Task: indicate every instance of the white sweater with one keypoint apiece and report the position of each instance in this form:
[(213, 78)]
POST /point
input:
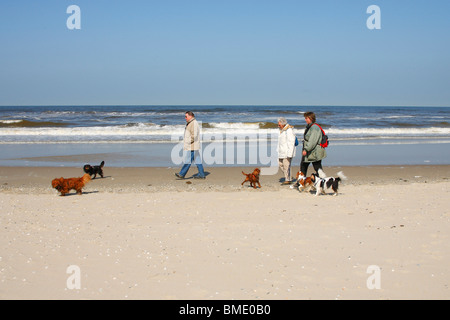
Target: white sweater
[(286, 143)]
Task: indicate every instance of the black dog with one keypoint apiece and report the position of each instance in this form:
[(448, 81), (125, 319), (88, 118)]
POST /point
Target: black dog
[(94, 170)]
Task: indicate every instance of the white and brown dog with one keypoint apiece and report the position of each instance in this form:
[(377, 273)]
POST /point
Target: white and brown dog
[(323, 184), (303, 183)]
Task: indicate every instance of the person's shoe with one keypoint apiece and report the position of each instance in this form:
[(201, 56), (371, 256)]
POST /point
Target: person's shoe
[(286, 183), (199, 177), (179, 176)]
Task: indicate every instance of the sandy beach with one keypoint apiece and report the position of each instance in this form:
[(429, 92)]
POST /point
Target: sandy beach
[(139, 233)]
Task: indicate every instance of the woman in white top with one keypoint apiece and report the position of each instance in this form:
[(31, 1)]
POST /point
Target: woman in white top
[(286, 148)]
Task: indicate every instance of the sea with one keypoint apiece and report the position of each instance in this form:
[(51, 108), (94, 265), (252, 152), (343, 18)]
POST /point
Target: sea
[(150, 136)]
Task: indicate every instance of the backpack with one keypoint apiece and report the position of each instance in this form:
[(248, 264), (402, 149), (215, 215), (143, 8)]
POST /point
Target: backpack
[(324, 142)]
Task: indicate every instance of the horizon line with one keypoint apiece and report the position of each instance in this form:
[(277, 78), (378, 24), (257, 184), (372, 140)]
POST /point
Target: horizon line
[(220, 105)]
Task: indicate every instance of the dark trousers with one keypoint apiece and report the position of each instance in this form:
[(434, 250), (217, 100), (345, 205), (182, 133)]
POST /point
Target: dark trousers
[(304, 166)]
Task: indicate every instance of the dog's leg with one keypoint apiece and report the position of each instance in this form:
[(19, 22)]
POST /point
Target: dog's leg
[(335, 186), (301, 188), (335, 192)]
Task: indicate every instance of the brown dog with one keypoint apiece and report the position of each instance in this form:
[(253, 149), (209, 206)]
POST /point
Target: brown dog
[(304, 182), (65, 185), (252, 177)]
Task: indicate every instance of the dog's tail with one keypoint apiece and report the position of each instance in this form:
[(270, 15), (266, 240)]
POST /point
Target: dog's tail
[(86, 178), (102, 164), (244, 173), (341, 175)]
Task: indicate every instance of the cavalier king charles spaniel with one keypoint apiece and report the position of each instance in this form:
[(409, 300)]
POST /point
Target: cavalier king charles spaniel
[(303, 183)]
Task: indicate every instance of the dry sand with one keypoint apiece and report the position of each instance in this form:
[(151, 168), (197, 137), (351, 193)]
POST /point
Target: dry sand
[(139, 233)]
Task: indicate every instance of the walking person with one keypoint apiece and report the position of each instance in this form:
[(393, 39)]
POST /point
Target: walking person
[(286, 148), (191, 147), (312, 151)]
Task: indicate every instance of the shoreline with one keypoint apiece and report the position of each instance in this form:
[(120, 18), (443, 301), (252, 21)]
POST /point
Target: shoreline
[(427, 152), (228, 179)]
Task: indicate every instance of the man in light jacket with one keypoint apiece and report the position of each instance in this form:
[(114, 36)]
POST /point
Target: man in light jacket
[(191, 147), (286, 148)]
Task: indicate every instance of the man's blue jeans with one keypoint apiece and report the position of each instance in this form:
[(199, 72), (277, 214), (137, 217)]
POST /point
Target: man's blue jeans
[(189, 157)]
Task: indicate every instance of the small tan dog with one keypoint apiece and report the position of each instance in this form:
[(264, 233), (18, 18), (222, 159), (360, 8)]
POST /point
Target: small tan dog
[(252, 177), (65, 185)]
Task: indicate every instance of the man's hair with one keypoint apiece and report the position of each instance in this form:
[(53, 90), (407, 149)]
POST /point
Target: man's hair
[(310, 115), (190, 113)]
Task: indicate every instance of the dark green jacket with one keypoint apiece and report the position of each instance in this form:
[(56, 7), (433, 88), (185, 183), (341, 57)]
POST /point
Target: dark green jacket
[(311, 143)]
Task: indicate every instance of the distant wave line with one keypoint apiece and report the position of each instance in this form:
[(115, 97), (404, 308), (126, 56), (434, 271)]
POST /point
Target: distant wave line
[(215, 128), (337, 142)]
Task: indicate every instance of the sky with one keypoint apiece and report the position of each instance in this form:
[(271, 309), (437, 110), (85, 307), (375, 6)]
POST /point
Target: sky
[(225, 52)]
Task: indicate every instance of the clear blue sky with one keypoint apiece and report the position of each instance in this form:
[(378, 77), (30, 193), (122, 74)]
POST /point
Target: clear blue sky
[(284, 52)]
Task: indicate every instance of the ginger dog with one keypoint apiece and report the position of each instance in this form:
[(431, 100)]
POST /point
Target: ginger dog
[(252, 177), (65, 185)]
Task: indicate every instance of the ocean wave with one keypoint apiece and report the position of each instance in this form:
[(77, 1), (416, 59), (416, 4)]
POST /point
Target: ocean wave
[(409, 131), (239, 125), (10, 132), (19, 123), (442, 124)]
